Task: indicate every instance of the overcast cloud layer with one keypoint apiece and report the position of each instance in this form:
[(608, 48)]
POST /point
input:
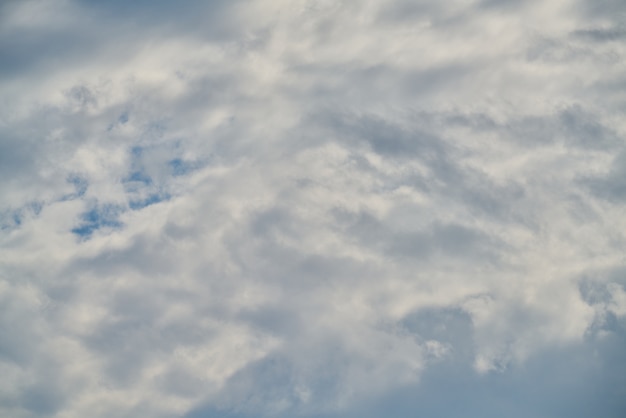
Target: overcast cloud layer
[(283, 208)]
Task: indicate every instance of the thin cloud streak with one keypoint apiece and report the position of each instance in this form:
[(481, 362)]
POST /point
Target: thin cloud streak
[(312, 208)]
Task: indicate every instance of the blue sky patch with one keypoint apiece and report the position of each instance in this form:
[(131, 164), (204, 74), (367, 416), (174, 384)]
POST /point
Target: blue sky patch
[(80, 187), (139, 176), (152, 199), (181, 167), (101, 216)]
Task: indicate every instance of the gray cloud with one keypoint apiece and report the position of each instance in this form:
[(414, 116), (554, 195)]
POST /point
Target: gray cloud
[(311, 208)]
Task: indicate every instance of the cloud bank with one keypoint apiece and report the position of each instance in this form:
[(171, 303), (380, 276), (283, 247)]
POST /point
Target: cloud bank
[(321, 208)]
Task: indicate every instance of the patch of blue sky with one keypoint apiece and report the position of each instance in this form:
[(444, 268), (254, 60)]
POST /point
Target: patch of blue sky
[(80, 187), (138, 176), (141, 190), (13, 218), (100, 216), (136, 152), (137, 204), (123, 118), (137, 172), (180, 167), (10, 219), (140, 187), (145, 190), (16, 218), (35, 207)]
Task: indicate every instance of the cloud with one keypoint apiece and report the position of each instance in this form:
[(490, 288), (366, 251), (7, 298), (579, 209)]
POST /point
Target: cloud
[(311, 208)]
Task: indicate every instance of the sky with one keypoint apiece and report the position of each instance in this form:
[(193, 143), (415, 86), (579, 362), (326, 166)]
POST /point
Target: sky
[(312, 208)]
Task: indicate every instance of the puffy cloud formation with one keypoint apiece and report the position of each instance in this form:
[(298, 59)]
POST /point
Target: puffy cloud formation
[(283, 208)]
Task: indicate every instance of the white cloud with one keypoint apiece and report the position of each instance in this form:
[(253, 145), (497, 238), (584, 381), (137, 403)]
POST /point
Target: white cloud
[(298, 207)]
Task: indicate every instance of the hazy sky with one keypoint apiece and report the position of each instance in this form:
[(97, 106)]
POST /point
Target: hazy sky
[(313, 208)]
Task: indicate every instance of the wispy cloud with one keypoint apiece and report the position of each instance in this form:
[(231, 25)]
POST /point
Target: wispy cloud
[(312, 208)]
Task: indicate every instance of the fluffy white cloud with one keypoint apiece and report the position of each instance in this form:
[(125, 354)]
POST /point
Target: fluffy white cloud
[(283, 208)]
